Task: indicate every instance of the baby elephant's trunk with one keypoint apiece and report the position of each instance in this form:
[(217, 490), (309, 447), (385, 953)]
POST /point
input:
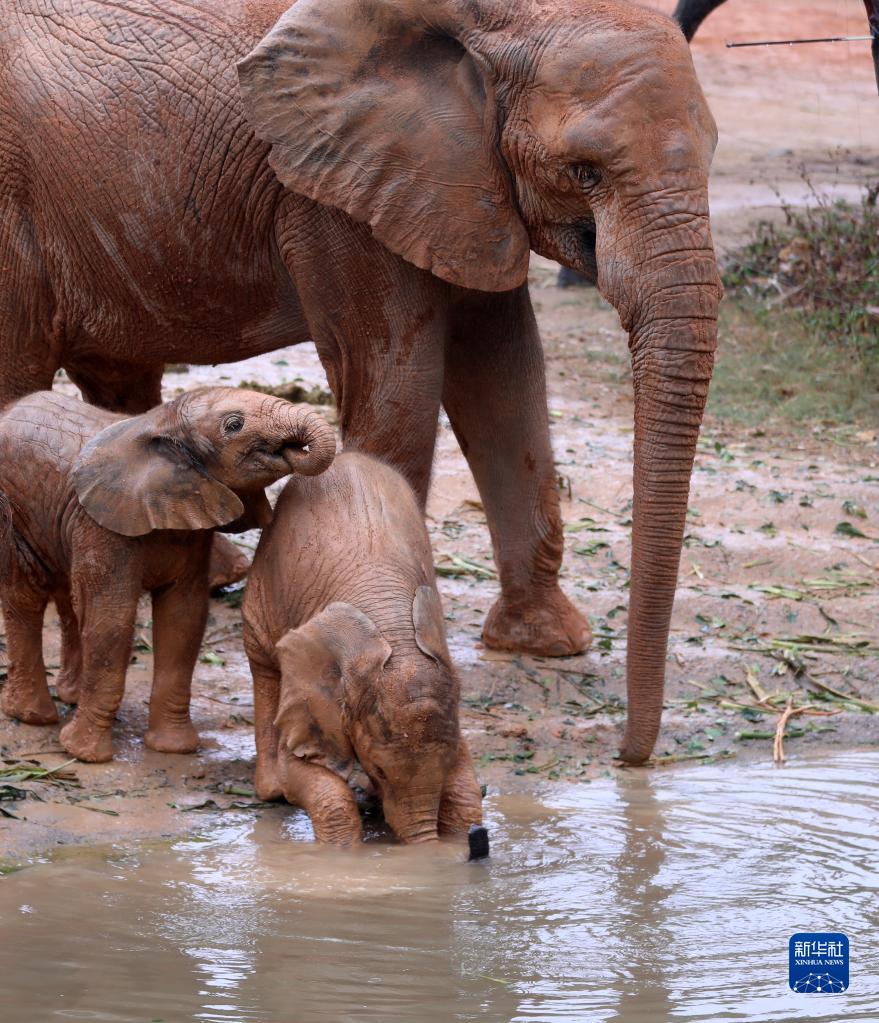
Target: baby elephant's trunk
[(309, 444), (413, 820)]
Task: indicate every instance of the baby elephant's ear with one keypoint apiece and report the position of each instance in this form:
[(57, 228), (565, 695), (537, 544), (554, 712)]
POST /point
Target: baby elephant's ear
[(135, 476), (427, 617), (315, 660)]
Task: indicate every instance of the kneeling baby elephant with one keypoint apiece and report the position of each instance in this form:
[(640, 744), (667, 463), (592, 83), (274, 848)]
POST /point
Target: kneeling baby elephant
[(343, 626), (95, 508)]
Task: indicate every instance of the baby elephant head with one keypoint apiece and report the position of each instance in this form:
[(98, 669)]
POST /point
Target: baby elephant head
[(198, 462), (348, 697)]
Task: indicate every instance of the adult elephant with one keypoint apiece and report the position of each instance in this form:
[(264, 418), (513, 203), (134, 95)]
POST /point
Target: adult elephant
[(377, 190), (690, 14)]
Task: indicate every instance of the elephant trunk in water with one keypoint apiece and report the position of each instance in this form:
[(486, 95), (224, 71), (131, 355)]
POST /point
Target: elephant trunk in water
[(413, 819), (673, 337)]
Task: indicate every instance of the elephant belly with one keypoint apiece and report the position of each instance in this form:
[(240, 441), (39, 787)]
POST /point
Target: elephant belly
[(153, 207)]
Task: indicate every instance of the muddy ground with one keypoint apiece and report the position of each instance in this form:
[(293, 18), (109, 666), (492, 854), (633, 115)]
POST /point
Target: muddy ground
[(778, 595)]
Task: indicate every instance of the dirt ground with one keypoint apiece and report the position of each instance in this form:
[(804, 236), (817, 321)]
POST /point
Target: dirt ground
[(778, 595)]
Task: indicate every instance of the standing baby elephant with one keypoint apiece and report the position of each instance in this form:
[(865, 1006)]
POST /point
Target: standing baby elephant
[(97, 507), (343, 626)]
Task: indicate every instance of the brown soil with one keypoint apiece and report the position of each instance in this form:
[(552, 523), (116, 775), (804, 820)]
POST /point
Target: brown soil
[(763, 560)]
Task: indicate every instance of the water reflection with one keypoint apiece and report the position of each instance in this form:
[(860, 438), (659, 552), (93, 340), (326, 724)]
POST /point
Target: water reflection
[(643, 929), (651, 897)]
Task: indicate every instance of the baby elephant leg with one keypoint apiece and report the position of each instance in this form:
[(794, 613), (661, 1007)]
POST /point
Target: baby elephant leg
[(266, 691), (26, 693), (106, 585), (180, 612), (325, 797), (68, 680)]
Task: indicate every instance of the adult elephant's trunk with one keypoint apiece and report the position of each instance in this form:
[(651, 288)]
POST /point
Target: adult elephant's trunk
[(304, 428), (673, 338)]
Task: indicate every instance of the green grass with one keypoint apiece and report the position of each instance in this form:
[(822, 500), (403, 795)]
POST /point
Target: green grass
[(771, 363), (799, 334)]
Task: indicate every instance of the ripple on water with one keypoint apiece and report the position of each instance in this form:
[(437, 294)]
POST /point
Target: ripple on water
[(649, 897)]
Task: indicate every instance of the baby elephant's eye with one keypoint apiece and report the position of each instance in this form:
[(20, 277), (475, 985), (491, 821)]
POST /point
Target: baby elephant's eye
[(379, 773), (586, 175), (233, 423)]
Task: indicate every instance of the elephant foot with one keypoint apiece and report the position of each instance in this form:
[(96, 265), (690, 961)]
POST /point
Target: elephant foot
[(229, 564), (86, 740), (67, 687), (549, 626), (179, 737), (31, 707), (267, 784)]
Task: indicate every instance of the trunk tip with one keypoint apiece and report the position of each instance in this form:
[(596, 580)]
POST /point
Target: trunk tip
[(634, 756), (477, 839)]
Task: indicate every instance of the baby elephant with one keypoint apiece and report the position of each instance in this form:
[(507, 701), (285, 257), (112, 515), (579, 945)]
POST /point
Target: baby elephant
[(344, 630), (96, 508)]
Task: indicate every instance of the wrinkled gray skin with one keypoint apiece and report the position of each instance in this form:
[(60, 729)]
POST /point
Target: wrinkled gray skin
[(344, 629)]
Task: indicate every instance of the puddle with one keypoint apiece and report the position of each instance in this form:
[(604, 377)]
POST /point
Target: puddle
[(661, 896)]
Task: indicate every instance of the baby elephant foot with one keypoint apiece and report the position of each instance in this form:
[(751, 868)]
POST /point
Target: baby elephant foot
[(32, 706), (173, 737), (86, 740), (67, 686), (548, 625)]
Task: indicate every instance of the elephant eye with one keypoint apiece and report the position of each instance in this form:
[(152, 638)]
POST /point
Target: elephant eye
[(586, 175), (380, 773), (233, 423)]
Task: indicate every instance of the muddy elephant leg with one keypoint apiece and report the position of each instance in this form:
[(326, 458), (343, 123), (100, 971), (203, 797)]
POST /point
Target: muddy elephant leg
[(180, 612), (379, 326), (326, 798), (266, 693), (495, 396), (25, 695), (105, 578), (68, 680)]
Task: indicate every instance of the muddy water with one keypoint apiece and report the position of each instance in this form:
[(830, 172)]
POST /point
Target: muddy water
[(659, 896)]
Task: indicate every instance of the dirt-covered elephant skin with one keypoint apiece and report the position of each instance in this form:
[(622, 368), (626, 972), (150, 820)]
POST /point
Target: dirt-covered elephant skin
[(95, 508), (344, 629), (376, 185)]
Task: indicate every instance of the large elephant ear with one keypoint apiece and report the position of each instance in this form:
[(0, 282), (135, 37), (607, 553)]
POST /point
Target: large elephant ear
[(320, 661), (370, 108), (427, 618), (134, 476)]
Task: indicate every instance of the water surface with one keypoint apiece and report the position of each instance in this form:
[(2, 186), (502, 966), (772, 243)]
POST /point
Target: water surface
[(655, 896)]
